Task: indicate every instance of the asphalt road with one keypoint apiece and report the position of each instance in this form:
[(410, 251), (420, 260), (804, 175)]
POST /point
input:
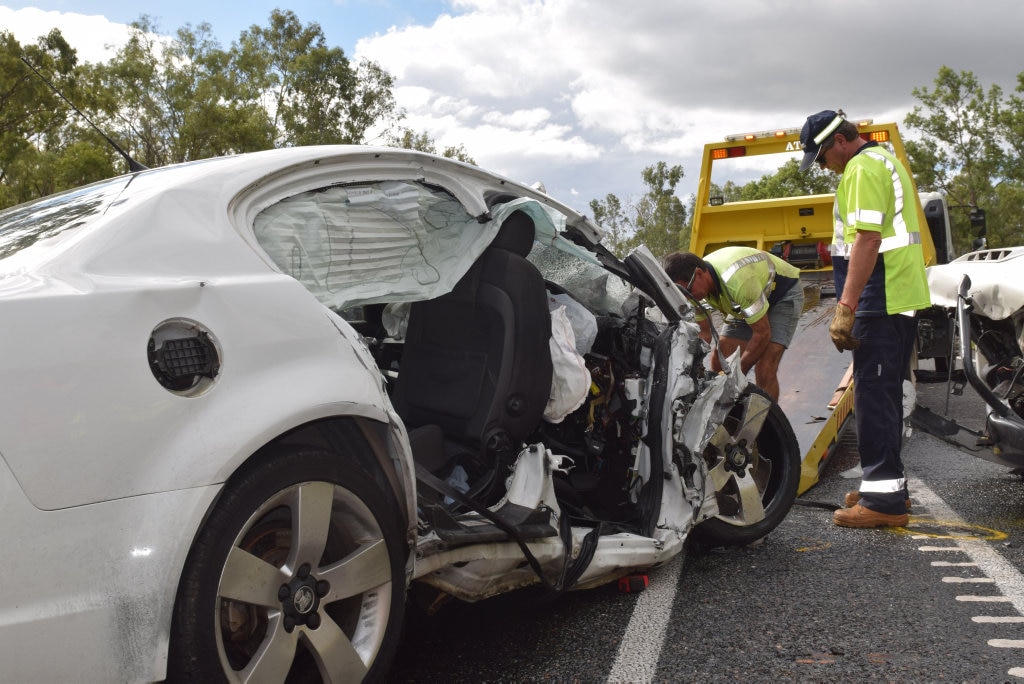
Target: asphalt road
[(942, 599)]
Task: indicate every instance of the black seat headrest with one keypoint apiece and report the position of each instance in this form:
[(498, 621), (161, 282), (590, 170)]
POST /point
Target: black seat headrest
[(516, 234)]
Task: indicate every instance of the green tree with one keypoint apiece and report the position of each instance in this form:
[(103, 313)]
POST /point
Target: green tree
[(422, 142), (40, 138), (213, 111), (178, 99), (656, 219), (312, 92), (1011, 123), (168, 99), (660, 215), (789, 181), (129, 97), (970, 153), (618, 229)]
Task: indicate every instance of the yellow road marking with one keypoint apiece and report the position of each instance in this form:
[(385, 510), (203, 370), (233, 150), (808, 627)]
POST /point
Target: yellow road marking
[(919, 527), (816, 547)]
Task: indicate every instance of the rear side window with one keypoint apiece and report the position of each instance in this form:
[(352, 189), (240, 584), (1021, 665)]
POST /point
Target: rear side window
[(382, 241), (34, 222)]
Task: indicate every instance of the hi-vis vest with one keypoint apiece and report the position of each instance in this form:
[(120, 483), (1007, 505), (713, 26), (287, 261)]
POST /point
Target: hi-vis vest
[(872, 195), (746, 279)]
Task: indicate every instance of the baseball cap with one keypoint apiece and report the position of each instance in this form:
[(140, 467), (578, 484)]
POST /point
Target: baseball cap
[(816, 130)]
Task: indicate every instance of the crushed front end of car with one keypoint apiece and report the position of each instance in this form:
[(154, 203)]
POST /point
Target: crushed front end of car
[(982, 296), (659, 447)]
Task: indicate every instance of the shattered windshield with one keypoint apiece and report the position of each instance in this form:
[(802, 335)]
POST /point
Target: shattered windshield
[(591, 285)]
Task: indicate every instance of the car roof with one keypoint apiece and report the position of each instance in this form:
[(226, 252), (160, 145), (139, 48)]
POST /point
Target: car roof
[(251, 179)]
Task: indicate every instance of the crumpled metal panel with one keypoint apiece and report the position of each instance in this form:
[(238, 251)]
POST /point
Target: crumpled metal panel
[(997, 287)]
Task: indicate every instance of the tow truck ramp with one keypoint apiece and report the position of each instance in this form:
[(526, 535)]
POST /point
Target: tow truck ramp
[(816, 386)]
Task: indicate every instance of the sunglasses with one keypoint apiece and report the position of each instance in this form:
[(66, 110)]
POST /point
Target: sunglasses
[(825, 147), (689, 283)]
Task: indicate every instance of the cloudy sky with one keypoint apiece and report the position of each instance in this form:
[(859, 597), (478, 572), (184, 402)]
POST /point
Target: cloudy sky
[(583, 94)]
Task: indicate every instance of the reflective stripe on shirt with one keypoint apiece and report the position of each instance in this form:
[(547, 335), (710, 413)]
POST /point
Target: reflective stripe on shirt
[(757, 306), (746, 261), (902, 237), (839, 247)]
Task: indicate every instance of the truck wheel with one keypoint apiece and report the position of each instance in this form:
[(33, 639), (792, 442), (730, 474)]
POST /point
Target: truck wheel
[(298, 574), (754, 465)]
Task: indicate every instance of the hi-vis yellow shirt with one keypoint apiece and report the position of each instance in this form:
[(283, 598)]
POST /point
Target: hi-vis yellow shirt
[(875, 194), (746, 278)]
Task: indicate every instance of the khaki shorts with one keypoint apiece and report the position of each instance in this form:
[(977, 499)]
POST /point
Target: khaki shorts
[(783, 316)]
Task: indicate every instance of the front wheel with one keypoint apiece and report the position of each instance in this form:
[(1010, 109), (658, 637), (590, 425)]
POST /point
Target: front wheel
[(297, 575), (753, 462)]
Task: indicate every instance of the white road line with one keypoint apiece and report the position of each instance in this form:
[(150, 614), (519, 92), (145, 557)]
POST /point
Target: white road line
[(947, 564), (998, 618), (637, 659), (985, 599), (1006, 643), (968, 580), (1006, 577)]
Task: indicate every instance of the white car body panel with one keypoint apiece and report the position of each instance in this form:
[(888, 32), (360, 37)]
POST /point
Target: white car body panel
[(106, 476), (88, 590), (997, 287), (85, 409)]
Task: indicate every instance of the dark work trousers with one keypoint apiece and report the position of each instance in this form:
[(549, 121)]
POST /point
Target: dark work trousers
[(879, 367)]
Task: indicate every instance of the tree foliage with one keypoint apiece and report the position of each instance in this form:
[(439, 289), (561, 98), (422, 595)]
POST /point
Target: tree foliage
[(38, 133), (788, 181), (422, 142), (169, 99), (971, 151), (656, 219), (315, 96)]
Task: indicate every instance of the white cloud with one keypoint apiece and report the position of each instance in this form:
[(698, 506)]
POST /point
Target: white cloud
[(601, 89), (95, 38), (519, 119), (584, 94)]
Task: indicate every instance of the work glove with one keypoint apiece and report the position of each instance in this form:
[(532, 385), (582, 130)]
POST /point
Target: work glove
[(841, 328)]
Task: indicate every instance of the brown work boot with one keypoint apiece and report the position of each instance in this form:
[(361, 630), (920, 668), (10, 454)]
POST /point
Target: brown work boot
[(859, 516), (851, 499)]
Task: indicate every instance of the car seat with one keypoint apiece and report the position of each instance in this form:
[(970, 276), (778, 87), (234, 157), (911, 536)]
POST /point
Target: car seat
[(476, 361)]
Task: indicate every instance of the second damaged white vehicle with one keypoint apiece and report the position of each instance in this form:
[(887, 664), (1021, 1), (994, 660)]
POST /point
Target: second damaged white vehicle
[(978, 315), (258, 397)]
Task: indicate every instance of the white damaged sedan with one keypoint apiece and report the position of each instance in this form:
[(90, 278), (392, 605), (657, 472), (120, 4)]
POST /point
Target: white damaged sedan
[(251, 403)]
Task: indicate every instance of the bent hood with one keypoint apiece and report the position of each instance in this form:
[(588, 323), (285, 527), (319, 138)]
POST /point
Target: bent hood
[(997, 287)]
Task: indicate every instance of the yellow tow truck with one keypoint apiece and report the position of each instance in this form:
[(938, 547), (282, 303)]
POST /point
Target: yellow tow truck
[(816, 381)]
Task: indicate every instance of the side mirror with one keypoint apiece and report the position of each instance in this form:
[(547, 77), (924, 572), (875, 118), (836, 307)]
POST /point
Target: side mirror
[(978, 221)]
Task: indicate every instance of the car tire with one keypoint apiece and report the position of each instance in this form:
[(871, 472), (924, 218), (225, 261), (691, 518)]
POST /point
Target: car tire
[(755, 487), (252, 605)]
